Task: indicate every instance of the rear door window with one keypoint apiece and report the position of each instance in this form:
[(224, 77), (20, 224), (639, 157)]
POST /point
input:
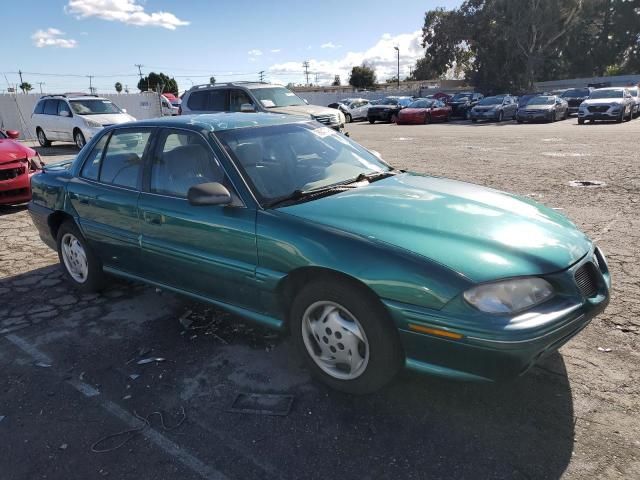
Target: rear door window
[(208, 100), (237, 98), (39, 107), (91, 167), (122, 162), (51, 107)]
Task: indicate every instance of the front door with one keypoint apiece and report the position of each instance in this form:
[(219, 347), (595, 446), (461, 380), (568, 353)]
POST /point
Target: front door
[(206, 250), (105, 196), (64, 122)]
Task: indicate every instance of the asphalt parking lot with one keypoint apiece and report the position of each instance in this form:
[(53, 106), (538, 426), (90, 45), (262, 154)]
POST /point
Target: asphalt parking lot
[(72, 383)]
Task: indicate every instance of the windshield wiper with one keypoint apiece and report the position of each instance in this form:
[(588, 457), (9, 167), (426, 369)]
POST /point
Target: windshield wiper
[(374, 176), (302, 194)]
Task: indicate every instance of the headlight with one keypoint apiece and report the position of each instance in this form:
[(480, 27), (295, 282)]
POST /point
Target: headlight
[(509, 296), (91, 123)]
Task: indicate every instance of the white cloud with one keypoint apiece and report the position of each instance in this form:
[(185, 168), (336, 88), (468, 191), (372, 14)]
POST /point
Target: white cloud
[(275, 50), (381, 56), (52, 37), (125, 11), (255, 52), (330, 45)]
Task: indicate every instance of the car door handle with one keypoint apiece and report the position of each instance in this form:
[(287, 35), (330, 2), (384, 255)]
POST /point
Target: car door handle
[(84, 199), (153, 218)]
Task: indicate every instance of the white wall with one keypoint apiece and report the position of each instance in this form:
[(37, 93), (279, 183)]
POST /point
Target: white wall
[(15, 110)]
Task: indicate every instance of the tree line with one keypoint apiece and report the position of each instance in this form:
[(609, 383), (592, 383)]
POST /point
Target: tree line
[(507, 45)]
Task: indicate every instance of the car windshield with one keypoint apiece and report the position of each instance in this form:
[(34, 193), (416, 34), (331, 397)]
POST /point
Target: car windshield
[(279, 160), (405, 102), (421, 104), (542, 101), (2, 135), (389, 101), (576, 92), (607, 94), (460, 96), (273, 97), (491, 101), (633, 92), (93, 107)]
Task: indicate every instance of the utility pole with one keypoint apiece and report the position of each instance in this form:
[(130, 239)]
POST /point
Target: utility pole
[(305, 65), (41, 83), (398, 50), (21, 81), (261, 72), (316, 78), (90, 84), (139, 69)]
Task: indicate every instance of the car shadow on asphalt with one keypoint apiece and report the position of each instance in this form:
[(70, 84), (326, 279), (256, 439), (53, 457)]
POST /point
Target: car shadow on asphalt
[(12, 209)]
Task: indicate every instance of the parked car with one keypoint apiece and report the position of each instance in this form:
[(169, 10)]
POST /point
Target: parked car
[(548, 108), (74, 118), (251, 97), (387, 109), (292, 225), (575, 96), (168, 109), (613, 103), (462, 103), (18, 163), (635, 93), (524, 99), (424, 110), (443, 97), (495, 108), (354, 109)]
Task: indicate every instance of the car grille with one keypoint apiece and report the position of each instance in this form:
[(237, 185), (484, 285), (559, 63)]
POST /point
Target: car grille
[(534, 111), (586, 280), (13, 193), (11, 173), (599, 109), (329, 119), (574, 102)]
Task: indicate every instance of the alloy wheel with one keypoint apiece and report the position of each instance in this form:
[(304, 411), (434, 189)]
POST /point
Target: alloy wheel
[(335, 340)]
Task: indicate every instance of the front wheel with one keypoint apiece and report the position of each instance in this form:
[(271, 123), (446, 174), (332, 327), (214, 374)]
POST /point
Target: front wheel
[(500, 116), (581, 121), (371, 121), (81, 267), (345, 336), (427, 119), (394, 118), (347, 118), (78, 139)]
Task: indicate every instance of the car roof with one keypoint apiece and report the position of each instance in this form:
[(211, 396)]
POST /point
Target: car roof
[(612, 88), (217, 122)]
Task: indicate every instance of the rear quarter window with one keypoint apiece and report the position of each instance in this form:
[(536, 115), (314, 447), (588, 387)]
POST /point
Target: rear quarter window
[(39, 107)]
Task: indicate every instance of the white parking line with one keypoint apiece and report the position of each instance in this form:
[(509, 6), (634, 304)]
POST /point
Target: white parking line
[(169, 447)]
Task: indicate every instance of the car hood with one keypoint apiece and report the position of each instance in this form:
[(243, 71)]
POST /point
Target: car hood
[(304, 110), (110, 118), (603, 101), (533, 106), (479, 232), (383, 107), (11, 150), (409, 111)]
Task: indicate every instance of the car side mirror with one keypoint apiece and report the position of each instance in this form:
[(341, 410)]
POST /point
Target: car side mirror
[(306, 101), (212, 193), (65, 113), (247, 107), (123, 110), (13, 134)]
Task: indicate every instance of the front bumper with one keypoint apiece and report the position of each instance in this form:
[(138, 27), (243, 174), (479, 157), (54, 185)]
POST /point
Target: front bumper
[(612, 113), (498, 352), (488, 115), (534, 116), (380, 115), (14, 190), (90, 132)]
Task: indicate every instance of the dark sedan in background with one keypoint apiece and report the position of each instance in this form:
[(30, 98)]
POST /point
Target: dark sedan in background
[(546, 108), (575, 96), (388, 108), (462, 103)]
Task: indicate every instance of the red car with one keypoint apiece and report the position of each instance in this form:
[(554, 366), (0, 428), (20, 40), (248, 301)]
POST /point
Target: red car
[(17, 164), (424, 110)]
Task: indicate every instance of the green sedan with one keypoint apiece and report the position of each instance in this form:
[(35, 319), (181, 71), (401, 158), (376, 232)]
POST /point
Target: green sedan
[(290, 224)]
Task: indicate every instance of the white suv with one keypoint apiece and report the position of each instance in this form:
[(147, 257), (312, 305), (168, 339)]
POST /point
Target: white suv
[(74, 119)]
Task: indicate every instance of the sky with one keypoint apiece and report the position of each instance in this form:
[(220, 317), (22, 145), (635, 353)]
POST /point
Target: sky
[(62, 42)]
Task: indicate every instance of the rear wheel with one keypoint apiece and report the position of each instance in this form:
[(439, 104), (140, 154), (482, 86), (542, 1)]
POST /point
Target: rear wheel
[(345, 336), (42, 138), (394, 118), (80, 265)]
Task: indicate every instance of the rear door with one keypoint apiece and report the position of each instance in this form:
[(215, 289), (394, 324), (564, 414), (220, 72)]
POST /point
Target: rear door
[(49, 119), (206, 250), (105, 195), (64, 122)]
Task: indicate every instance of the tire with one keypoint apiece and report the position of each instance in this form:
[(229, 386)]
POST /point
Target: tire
[(333, 316), (566, 115), (347, 118), (519, 120), (581, 121), (42, 138), (427, 119), (447, 118), (467, 115), (620, 118), (78, 139), (474, 120), (80, 265), (500, 116), (394, 118), (630, 117), (371, 121)]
